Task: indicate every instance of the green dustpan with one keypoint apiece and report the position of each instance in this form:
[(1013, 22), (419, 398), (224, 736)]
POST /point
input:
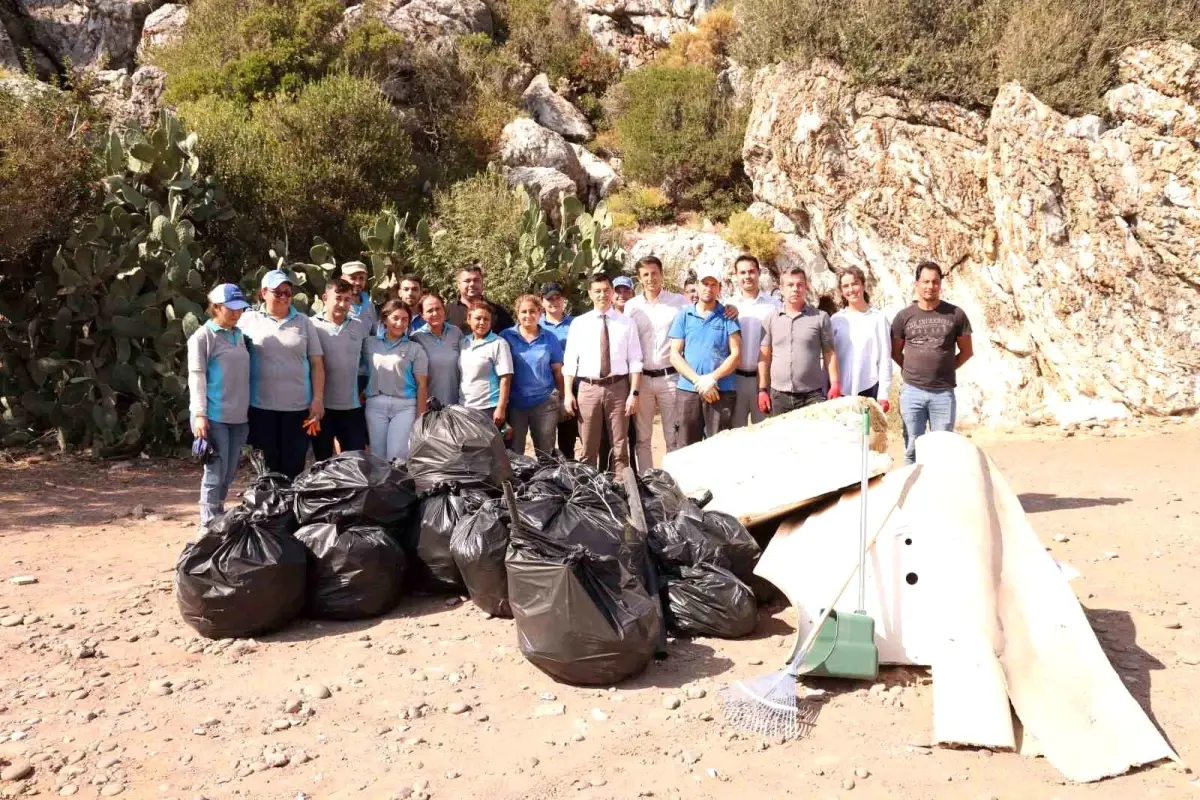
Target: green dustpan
[(845, 645)]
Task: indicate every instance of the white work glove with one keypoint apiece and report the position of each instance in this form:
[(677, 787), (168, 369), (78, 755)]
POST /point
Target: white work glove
[(705, 384)]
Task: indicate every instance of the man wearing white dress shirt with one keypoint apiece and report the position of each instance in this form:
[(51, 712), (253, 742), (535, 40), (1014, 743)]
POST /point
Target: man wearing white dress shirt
[(653, 311), (753, 307), (604, 352)]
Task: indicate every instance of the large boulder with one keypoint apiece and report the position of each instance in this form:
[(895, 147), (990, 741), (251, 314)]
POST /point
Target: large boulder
[(634, 30), (434, 22), (524, 143), (552, 111), (131, 101), (602, 178), (1067, 243), (88, 33), (684, 250), (163, 25), (545, 185)]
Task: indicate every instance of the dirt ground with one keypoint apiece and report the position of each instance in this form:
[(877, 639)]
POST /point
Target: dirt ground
[(104, 690)]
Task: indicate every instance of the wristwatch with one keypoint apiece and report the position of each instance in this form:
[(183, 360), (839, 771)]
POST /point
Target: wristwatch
[(763, 390), (635, 392)]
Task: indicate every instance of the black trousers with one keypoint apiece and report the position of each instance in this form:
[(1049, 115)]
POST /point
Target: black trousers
[(281, 437), (701, 420), (872, 392), (348, 426), (783, 402), (568, 435)]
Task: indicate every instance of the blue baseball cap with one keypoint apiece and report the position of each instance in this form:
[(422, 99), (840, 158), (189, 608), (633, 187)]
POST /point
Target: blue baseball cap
[(230, 296), (622, 282), (552, 289), (274, 278)]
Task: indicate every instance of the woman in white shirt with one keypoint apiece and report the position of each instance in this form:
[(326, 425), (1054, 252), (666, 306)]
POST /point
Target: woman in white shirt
[(862, 341)]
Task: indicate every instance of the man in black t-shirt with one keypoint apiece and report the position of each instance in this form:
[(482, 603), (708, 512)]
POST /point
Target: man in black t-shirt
[(930, 340), (470, 289)]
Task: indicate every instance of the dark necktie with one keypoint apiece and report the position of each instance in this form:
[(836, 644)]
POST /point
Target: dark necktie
[(605, 355)]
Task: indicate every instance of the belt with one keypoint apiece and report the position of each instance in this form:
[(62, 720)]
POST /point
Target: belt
[(747, 373), (659, 373), (799, 394), (609, 381)]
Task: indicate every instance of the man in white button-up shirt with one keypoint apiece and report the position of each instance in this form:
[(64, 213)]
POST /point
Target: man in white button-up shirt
[(753, 307), (609, 376), (653, 311)]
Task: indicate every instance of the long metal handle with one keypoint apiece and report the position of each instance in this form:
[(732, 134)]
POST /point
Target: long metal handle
[(862, 515)]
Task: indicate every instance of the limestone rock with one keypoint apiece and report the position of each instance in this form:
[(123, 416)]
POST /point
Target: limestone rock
[(163, 25), (435, 22), (1068, 244), (130, 100), (554, 112), (524, 143), (88, 33), (602, 178), (634, 30), (544, 184), (683, 250)]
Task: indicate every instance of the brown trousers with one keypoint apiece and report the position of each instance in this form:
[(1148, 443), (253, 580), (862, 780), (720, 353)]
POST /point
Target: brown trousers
[(603, 408)]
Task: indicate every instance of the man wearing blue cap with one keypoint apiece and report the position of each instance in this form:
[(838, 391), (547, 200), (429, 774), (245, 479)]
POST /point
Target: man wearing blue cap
[(287, 376), (557, 321), (218, 366)]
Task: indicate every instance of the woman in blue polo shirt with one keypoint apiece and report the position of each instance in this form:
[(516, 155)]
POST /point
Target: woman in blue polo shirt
[(397, 383), (219, 394), (537, 356), (287, 376)]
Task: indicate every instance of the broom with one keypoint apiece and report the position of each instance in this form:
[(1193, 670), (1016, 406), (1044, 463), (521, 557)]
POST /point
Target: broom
[(767, 705)]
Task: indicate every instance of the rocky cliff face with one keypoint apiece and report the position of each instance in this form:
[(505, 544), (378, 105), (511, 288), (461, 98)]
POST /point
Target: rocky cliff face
[(1070, 244), (633, 30)]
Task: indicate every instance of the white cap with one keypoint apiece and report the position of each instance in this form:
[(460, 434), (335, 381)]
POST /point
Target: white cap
[(351, 267), (709, 271)]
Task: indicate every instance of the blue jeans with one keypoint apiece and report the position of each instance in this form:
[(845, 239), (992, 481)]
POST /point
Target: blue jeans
[(219, 473), (921, 409)]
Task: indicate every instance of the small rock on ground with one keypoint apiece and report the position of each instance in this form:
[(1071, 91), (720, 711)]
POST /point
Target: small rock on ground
[(848, 784), (16, 771), (317, 690), (549, 710), (671, 702), (458, 707)]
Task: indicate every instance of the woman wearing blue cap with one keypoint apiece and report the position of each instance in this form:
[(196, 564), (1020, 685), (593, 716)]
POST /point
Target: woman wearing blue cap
[(219, 390), (287, 376)]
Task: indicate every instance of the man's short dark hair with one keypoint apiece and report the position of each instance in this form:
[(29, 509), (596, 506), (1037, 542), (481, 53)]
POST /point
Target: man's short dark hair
[(747, 257), (645, 260), (933, 265), (413, 278), (339, 286), (599, 277), (474, 269), (795, 271)]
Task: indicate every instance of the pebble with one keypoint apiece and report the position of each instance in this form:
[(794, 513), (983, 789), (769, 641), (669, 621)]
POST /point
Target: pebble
[(754, 662), (862, 773), (11, 621), (690, 757), (1061, 537), (1190, 658), (1110, 555), (458, 707), (68, 790), (112, 789), (1173, 626), (696, 693), (547, 696), (598, 782), (276, 760), (16, 771), (549, 710), (161, 690), (395, 650), (108, 761), (848, 784), (292, 706), (452, 774), (599, 715), (23, 580), (671, 702), (317, 690)]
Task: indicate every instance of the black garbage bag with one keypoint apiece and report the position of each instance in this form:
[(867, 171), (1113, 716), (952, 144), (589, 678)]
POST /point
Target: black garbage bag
[(661, 496), (523, 467), (478, 546), (710, 601), (355, 487), (268, 498), (582, 617), (439, 513), (246, 575), (456, 444), (696, 537), (354, 571)]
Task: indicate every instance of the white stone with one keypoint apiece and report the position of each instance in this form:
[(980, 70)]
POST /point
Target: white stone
[(524, 143), (165, 24), (552, 111)]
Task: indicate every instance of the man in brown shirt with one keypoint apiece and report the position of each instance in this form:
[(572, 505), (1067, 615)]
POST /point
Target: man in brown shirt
[(931, 339), (796, 351)]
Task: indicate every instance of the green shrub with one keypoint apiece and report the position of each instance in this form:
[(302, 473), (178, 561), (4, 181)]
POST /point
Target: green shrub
[(46, 168), (753, 236), (675, 128), (308, 166), (478, 220), (706, 46), (549, 35), (636, 205), (962, 50)]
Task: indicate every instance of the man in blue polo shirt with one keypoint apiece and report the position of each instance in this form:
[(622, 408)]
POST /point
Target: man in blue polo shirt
[(705, 350), (557, 321)]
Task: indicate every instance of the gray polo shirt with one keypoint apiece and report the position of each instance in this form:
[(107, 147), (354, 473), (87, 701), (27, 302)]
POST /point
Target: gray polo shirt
[(343, 349), (363, 310), (483, 362), (218, 374), (442, 353), (797, 344), (280, 375), (393, 367)]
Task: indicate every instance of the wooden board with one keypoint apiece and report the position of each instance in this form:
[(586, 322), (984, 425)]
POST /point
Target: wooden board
[(767, 470)]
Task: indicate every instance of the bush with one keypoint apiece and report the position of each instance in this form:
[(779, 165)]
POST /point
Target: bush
[(707, 46), (754, 236), (962, 50), (674, 128), (478, 221), (636, 205), (47, 167), (549, 35), (309, 166)]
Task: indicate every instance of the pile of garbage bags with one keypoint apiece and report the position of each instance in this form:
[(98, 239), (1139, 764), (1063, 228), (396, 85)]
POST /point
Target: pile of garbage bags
[(591, 596)]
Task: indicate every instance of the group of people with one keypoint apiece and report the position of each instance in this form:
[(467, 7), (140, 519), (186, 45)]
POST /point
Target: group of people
[(361, 376)]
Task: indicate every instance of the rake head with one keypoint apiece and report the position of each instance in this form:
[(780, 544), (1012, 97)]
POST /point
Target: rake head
[(768, 706)]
